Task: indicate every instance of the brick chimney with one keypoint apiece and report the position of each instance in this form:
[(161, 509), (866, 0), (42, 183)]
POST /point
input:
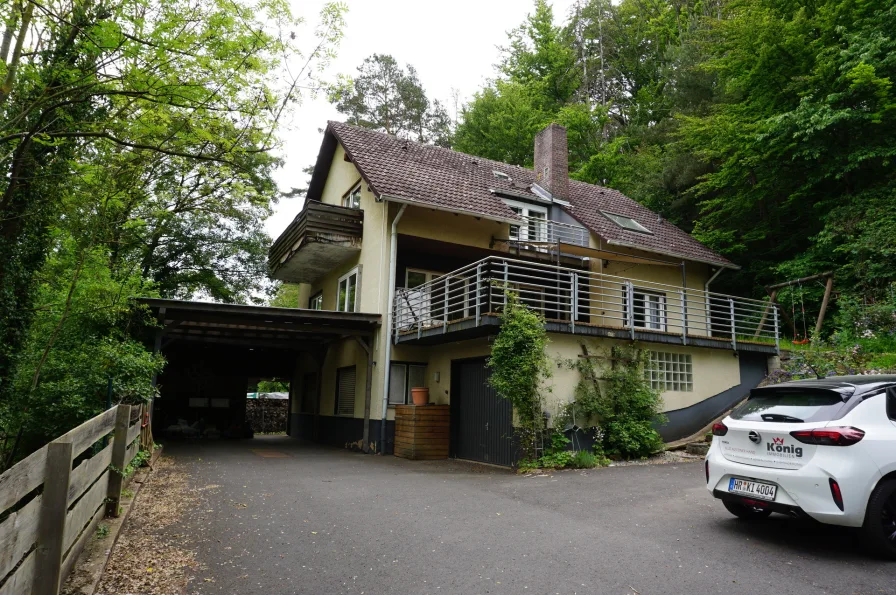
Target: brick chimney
[(552, 161)]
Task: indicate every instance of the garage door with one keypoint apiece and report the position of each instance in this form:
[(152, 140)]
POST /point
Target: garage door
[(483, 420)]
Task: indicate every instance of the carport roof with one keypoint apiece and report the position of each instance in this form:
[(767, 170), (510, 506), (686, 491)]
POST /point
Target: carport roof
[(236, 324)]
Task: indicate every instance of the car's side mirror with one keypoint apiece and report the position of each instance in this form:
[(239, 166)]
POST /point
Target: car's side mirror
[(891, 403)]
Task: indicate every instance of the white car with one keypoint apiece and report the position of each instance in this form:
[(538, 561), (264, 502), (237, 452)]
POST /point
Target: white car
[(820, 448)]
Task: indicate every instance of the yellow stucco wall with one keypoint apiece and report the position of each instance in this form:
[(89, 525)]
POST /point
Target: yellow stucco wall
[(450, 227)]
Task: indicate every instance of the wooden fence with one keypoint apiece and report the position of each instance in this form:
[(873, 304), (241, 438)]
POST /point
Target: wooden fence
[(52, 501)]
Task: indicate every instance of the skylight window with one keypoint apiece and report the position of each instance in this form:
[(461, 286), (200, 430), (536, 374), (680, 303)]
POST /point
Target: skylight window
[(501, 175), (626, 222)]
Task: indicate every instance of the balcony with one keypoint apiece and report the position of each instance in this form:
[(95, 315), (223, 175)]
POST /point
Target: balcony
[(319, 239), (468, 303), (536, 230)]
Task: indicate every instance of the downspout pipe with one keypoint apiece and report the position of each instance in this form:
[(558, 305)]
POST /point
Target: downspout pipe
[(713, 278), (387, 363)]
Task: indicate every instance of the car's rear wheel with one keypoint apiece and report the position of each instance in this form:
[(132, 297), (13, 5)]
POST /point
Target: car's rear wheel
[(880, 520), (749, 513)]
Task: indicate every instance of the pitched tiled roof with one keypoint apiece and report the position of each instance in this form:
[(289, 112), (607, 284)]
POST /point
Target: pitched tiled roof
[(446, 179)]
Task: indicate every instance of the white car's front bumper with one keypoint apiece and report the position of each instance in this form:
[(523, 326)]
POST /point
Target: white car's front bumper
[(805, 490)]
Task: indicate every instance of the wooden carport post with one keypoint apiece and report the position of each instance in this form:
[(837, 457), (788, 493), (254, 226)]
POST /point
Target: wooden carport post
[(365, 444)]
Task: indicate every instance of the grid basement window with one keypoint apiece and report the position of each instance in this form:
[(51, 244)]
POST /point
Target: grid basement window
[(670, 371)]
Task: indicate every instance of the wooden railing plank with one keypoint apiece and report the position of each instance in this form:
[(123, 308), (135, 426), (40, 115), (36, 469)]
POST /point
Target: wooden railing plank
[(75, 551), (17, 534), (89, 432), (22, 478), (20, 583), (85, 509), (131, 453), (133, 432), (85, 473)]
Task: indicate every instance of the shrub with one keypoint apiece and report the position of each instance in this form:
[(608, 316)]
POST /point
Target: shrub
[(584, 460), (632, 438), (620, 401)]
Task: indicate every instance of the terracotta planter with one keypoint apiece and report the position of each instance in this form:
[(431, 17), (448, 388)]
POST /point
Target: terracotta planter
[(420, 395)]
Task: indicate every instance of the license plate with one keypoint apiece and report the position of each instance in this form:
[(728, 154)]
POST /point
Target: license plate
[(755, 489)]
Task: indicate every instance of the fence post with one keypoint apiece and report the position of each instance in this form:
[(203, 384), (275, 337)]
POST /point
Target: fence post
[(630, 314), (574, 301), (445, 309), (777, 340), (733, 328), (506, 288), (476, 293), (394, 320), (684, 317), (51, 527), (119, 456)]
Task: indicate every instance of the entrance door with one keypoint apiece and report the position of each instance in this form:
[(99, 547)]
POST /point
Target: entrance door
[(483, 421)]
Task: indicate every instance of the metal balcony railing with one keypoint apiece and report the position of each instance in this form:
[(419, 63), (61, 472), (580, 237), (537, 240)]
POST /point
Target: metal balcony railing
[(538, 230), (579, 299)]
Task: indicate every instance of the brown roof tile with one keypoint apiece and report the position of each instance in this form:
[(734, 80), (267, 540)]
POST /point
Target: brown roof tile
[(447, 179)]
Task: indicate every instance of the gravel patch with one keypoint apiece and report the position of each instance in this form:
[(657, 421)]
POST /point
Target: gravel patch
[(663, 458), (151, 556)]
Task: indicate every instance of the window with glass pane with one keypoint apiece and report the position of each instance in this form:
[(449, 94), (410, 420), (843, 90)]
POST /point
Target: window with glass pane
[(626, 222), (398, 384), (515, 229), (649, 310), (316, 302), (346, 297), (537, 229), (352, 200), (416, 377), (670, 371), (402, 378)]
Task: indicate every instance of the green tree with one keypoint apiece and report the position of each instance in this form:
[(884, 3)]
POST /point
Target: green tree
[(387, 97), (178, 99), (286, 295)]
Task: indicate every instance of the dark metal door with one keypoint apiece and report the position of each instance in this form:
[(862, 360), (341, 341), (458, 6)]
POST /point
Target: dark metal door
[(484, 420)]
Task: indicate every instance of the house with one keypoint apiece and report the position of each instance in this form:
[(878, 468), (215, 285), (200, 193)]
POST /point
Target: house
[(428, 238)]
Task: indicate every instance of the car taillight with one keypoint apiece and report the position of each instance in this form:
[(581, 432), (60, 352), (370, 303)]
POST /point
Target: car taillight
[(835, 492), (719, 429), (707, 471), (844, 436)]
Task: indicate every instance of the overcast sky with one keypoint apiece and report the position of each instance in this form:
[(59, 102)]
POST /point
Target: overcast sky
[(451, 44)]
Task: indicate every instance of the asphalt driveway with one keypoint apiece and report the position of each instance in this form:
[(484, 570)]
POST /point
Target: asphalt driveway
[(279, 517)]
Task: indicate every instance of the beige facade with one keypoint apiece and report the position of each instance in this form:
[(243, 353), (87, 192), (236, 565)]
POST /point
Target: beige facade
[(714, 370)]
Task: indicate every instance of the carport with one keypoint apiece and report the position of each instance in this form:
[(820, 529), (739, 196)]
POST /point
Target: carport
[(213, 349)]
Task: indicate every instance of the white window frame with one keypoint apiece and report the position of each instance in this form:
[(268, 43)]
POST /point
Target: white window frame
[(343, 307), (352, 196), (651, 322), (669, 371), (405, 367), (521, 233)]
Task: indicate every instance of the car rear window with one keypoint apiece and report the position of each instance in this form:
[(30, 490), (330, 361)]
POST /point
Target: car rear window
[(790, 406)]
